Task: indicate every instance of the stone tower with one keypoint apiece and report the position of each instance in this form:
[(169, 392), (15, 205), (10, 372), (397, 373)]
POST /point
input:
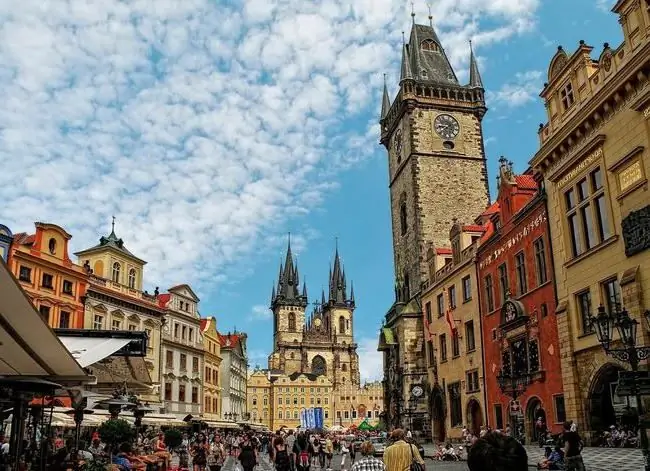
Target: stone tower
[(437, 169)]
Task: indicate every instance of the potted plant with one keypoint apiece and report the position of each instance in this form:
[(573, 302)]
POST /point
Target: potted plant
[(114, 432)]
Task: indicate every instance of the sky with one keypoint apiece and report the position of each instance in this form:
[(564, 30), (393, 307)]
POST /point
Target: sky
[(212, 129)]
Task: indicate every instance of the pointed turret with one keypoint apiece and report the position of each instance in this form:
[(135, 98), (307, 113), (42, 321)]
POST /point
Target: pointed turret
[(428, 58), (304, 290), (385, 101), (323, 302), (272, 294), (288, 291), (352, 293), (406, 72), (338, 286), (475, 80)]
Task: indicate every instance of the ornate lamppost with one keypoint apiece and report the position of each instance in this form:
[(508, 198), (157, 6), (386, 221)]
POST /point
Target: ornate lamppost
[(514, 385), (605, 323)]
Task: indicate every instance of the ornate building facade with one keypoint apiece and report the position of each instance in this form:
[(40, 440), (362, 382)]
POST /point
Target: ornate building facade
[(452, 330), (6, 238), (212, 374), (182, 353), (433, 134), (115, 300), (594, 158), (234, 376), (55, 285), (519, 331), (322, 342)]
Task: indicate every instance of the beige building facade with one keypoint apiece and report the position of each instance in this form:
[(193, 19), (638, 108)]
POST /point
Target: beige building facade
[(595, 159), (258, 397), (115, 300), (452, 330), (212, 364), (352, 405)]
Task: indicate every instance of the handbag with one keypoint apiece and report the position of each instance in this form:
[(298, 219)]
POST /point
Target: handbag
[(415, 466)]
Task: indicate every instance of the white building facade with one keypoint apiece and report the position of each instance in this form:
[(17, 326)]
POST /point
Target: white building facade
[(234, 376), (182, 358)]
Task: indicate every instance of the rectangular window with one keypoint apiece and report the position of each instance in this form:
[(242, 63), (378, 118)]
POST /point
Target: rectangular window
[(471, 381), (443, 347), (195, 394), (427, 309), (498, 416), (176, 328), (191, 335), (455, 345), (169, 359), (25, 274), (64, 320), (452, 296), (612, 295), (503, 282), (431, 353), (587, 214), (455, 405), (520, 268), (183, 362), (181, 393), (67, 287), (441, 305), (583, 300), (47, 281), (467, 289), (98, 322), (489, 293), (133, 327), (168, 391), (470, 340), (183, 332), (566, 95), (116, 324), (540, 261), (44, 311), (560, 411), (195, 364)]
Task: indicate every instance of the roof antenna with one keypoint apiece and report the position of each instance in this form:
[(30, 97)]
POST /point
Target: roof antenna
[(430, 16), (413, 11)]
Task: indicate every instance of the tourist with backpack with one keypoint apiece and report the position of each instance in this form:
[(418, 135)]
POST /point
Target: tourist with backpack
[(281, 457), (302, 450)]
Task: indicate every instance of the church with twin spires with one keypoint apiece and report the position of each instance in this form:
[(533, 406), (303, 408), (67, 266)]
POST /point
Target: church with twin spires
[(315, 338)]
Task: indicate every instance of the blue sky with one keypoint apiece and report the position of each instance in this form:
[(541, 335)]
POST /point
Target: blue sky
[(211, 129)]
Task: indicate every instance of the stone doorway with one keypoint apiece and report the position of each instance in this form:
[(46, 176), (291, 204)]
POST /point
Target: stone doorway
[(535, 419), (602, 398), (474, 417), (438, 431)]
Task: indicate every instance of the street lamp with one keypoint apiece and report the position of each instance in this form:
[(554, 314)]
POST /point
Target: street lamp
[(513, 385), (604, 324)]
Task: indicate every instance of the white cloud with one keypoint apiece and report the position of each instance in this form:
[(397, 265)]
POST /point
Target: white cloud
[(203, 128), (371, 362), (260, 312), (523, 89)]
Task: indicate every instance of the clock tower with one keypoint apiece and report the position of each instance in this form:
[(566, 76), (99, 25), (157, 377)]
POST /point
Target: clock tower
[(436, 160)]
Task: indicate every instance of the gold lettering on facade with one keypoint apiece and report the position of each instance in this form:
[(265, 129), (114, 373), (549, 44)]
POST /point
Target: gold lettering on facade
[(579, 167), (646, 113), (630, 175)]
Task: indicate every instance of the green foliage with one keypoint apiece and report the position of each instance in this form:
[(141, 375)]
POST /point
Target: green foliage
[(173, 438), (114, 432)]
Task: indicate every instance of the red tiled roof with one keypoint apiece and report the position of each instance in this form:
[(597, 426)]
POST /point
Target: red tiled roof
[(526, 181), (223, 340), (22, 238), (443, 251), (204, 323), (493, 208), (474, 228), (163, 299)]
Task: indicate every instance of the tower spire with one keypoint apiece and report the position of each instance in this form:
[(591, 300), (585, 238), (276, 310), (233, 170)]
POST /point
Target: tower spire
[(113, 226), (406, 72), (385, 101), (288, 291), (430, 15), (413, 12), (475, 80)]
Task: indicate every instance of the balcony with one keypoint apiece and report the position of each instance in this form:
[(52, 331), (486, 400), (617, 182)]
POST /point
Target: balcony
[(181, 341), (132, 293)]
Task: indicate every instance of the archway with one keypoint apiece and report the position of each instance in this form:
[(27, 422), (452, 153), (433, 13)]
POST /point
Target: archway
[(438, 431), (318, 365), (602, 399), (535, 419), (474, 417)]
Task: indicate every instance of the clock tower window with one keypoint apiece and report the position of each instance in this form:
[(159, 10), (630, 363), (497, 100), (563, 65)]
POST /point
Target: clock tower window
[(403, 223), (292, 322)]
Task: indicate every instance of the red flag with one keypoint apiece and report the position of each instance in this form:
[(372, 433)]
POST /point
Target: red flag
[(451, 321), (427, 332)]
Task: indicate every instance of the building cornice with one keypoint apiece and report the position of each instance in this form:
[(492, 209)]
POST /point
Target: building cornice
[(125, 302), (79, 275)]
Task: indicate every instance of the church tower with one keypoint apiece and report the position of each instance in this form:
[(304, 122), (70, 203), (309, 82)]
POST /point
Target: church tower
[(436, 160)]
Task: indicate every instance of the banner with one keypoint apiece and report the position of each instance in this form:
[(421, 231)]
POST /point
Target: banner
[(319, 417), (311, 422), (451, 321), (303, 419)]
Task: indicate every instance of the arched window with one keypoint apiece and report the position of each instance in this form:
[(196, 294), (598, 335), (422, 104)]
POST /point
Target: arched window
[(402, 215), (407, 287), (292, 322), (52, 246), (429, 45), (318, 365), (116, 272), (341, 325), (279, 414), (132, 278)]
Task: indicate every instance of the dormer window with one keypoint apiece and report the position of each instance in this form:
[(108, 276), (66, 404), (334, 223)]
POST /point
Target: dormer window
[(567, 96), (423, 73), (429, 45)]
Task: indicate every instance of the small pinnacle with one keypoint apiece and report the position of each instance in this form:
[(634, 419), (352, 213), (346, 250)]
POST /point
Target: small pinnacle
[(606, 45), (560, 48)]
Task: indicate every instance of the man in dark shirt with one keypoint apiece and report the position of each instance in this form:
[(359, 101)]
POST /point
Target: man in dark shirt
[(572, 445), (497, 452)]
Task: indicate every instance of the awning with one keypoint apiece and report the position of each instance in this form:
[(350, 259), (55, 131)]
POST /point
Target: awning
[(91, 350), (28, 347)]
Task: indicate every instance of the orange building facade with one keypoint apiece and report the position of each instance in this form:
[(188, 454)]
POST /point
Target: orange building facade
[(55, 285)]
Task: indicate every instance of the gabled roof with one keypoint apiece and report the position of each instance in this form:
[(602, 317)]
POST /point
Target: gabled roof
[(163, 299), (443, 251), (177, 288), (474, 228), (525, 182), (112, 242), (22, 238)]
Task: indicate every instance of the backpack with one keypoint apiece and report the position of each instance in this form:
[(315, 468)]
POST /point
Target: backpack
[(303, 459), (281, 459)]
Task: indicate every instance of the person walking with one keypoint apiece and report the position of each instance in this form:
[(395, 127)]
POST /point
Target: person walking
[(291, 440), (302, 451), (247, 455), (281, 457), (368, 462), (400, 455), (572, 445)]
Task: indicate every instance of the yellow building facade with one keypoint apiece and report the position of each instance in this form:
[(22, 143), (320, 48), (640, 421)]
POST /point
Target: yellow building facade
[(115, 300), (595, 158), (354, 404), (211, 377), (258, 398)]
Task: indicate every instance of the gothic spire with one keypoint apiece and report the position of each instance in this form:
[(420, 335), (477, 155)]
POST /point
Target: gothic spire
[(406, 73), (428, 58), (288, 291), (385, 101), (304, 290), (338, 288), (474, 73), (323, 302), (352, 292)]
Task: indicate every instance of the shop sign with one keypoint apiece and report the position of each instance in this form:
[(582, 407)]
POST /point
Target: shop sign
[(577, 170), (646, 112), (629, 176), (513, 241)]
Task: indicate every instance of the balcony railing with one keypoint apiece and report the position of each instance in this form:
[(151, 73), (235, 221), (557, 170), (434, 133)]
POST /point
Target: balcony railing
[(133, 293)]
